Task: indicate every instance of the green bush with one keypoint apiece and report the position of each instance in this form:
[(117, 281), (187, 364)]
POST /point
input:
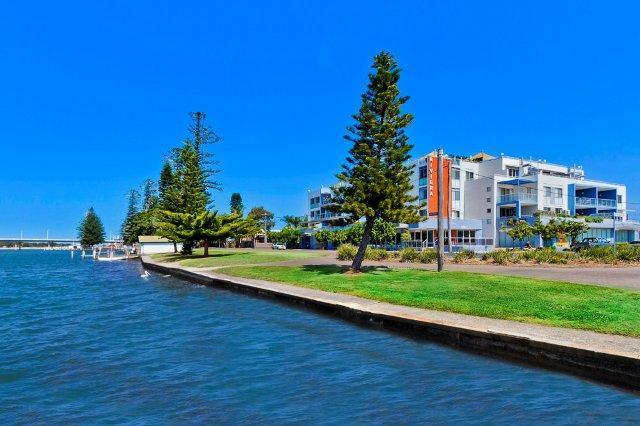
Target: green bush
[(347, 252), (376, 254), (606, 254), (546, 255), (464, 255), (628, 253), (409, 254), (501, 257), (427, 256), (603, 254)]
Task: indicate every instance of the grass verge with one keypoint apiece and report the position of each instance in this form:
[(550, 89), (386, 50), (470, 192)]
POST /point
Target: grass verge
[(226, 257), (553, 303)]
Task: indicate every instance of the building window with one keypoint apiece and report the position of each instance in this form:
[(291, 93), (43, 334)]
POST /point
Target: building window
[(423, 213), (423, 193), (513, 171), (455, 214), (455, 174), (488, 221), (468, 175), (488, 199), (488, 189), (423, 172), (456, 195), (488, 210), (620, 198)]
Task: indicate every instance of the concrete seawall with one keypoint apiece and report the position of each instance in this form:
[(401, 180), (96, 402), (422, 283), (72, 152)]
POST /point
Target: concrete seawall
[(606, 358)]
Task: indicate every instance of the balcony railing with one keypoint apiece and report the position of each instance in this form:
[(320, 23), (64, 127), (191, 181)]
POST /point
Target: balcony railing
[(523, 196), (422, 182), (593, 202), (585, 201), (552, 201), (609, 215), (603, 202)]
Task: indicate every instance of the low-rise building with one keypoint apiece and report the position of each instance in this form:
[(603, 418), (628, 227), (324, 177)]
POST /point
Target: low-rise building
[(150, 244), (482, 193)]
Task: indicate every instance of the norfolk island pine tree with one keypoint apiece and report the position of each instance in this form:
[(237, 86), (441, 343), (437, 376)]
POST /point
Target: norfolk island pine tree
[(376, 177)]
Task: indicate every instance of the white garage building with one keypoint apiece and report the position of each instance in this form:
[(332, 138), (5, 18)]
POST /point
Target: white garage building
[(150, 244)]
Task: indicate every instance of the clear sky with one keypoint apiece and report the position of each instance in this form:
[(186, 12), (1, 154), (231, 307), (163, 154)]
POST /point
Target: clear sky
[(94, 94)]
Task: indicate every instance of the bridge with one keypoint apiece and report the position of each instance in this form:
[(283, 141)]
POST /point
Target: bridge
[(48, 240)]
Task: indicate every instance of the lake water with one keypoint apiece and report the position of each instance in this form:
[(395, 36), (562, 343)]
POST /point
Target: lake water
[(85, 342)]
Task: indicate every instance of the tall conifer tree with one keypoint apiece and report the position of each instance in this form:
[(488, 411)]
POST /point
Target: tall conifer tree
[(376, 176), (91, 230)]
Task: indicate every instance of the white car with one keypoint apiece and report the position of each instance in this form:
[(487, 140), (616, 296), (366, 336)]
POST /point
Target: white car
[(277, 246)]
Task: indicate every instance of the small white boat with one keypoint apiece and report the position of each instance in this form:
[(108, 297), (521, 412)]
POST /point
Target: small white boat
[(109, 252)]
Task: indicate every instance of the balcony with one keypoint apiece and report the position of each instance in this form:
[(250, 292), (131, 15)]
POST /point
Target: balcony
[(586, 202), (423, 182), (314, 206), (523, 197), (553, 201), (595, 202), (603, 202)]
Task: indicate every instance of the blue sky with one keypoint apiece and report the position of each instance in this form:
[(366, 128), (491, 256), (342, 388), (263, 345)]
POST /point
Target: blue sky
[(94, 95)]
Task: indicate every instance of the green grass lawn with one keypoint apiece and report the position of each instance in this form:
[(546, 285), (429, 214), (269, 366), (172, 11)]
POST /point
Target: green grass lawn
[(226, 257), (553, 303)]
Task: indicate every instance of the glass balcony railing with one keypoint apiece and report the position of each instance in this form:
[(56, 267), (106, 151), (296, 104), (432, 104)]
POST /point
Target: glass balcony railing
[(314, 205), (552, 201), (422, 182), (585, 201), (603, 202), (593, 202), (523, 196)]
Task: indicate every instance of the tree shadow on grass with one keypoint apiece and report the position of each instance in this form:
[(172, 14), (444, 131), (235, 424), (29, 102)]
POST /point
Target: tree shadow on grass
[(343, 269), (177, 257)]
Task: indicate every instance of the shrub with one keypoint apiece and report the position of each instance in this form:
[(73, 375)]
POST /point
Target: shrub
[(628, 253), (347, 252), (464, 255), (546, 255), (603, 254), (427, 256), (501, 257), (376, 254), (408, 254)]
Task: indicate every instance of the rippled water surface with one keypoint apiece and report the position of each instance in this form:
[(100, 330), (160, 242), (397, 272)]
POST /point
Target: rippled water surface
[(85, 342)]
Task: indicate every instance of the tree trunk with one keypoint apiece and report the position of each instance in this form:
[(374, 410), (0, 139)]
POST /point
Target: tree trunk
[(206, 247), (356, 266), (175, 247)]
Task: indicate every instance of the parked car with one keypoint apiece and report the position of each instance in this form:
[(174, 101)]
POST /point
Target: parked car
[(589, 242), (635, 243), (277, 246)]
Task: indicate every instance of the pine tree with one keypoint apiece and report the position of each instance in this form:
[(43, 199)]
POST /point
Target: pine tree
[(149, 195), (202, 135), (376, 177), (236, 205), (165, 181), (133, 198), (90, 230)]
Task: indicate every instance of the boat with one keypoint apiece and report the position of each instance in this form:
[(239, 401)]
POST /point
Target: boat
[(110, 252)]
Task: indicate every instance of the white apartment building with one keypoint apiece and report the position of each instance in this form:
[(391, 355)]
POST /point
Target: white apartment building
[(483, 193)]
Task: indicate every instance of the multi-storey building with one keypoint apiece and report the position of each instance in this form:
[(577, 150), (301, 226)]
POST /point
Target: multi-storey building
[(483, 193)]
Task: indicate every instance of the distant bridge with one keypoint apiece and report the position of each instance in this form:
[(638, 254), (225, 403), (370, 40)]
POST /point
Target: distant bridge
[(48, 240)]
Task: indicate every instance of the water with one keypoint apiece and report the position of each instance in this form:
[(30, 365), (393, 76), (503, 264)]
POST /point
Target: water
[(86, 342)]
